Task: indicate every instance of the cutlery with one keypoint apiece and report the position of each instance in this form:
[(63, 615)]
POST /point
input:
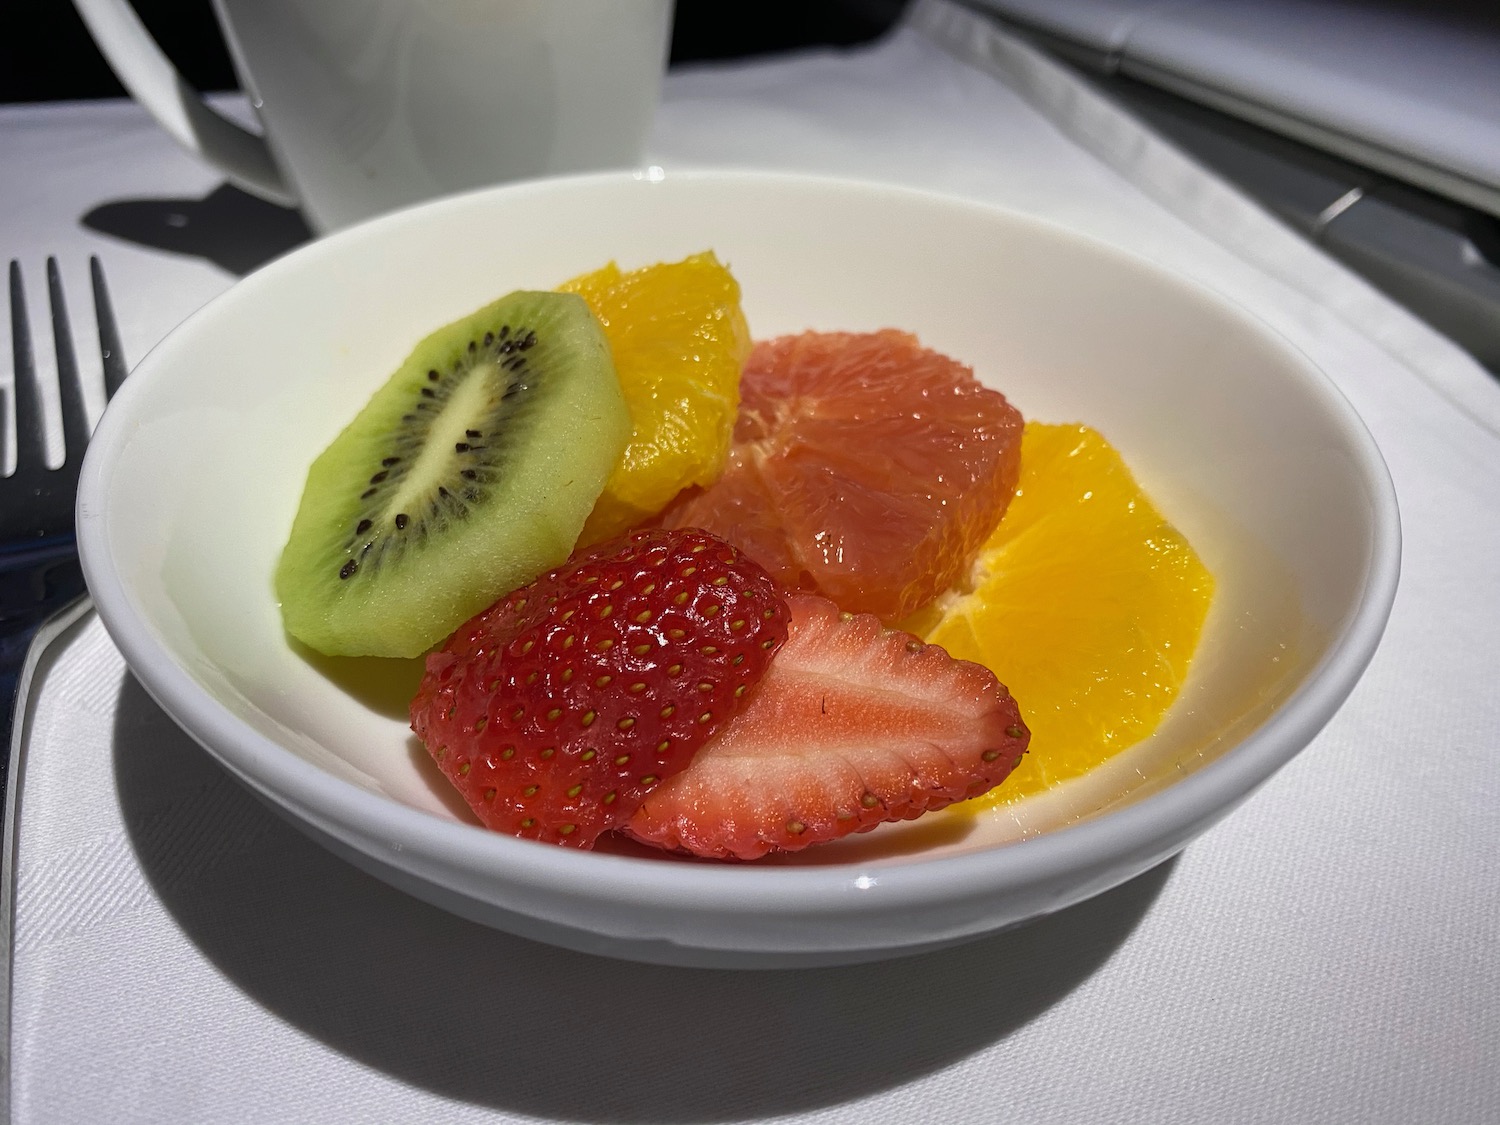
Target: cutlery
[(42, 590)]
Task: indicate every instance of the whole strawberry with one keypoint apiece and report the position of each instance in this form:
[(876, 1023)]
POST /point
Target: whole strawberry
[(557, 709)]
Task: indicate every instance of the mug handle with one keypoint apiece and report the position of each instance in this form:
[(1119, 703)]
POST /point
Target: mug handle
[(243, 156)]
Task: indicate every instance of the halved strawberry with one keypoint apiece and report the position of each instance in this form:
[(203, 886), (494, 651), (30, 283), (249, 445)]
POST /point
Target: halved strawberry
[(557, 708), (853, 724)]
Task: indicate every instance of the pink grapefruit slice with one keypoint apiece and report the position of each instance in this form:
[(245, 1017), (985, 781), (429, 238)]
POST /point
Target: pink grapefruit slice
[(864, 467)]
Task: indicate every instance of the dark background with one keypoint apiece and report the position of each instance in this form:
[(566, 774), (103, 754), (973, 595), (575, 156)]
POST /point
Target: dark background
[(46, 53)]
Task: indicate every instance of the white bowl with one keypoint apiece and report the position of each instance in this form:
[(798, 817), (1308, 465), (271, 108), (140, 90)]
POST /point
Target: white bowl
[(194, 474)]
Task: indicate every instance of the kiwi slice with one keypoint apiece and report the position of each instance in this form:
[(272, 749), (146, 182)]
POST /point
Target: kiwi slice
[(468, 474)]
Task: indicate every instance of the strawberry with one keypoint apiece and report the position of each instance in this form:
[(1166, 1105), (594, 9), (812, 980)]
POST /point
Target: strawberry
[(558, 708), (853, 724)]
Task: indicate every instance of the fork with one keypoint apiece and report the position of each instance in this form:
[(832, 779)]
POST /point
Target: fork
[(41, 583)]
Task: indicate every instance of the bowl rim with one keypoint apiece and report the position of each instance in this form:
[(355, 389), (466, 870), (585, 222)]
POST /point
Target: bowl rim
[(1144, 827)]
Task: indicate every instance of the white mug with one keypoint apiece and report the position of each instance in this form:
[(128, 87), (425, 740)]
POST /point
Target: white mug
[(368, 105)]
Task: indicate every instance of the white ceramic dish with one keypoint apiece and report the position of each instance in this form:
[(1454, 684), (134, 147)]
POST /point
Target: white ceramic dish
[(193, 476)]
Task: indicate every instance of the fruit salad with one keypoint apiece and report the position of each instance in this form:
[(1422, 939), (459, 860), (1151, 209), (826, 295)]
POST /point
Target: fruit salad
[(730, 598)]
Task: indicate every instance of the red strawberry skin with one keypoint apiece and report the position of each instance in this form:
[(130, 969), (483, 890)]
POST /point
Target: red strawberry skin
[(558, 708), (853, 724)]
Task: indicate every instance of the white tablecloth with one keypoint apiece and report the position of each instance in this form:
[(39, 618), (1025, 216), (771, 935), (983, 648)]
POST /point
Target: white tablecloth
[(1325, 955)]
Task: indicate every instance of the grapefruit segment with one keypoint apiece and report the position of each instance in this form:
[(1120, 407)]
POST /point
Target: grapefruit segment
[(865, 467)]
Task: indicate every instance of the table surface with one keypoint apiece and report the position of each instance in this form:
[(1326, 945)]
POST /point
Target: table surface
[(1325, 954)]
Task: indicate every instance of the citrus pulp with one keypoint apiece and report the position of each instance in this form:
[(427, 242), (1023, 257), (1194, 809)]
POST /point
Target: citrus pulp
[(679, 338), (1085, 602), (865, 467)]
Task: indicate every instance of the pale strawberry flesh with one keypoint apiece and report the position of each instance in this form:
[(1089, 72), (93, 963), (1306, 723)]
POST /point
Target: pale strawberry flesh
[(852, 725)]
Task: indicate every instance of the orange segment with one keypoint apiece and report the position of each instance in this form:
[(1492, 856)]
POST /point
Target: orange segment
[(679, 340), (1085, 602)]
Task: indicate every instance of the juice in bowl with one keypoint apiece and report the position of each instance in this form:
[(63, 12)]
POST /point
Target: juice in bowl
[(1301, 546)]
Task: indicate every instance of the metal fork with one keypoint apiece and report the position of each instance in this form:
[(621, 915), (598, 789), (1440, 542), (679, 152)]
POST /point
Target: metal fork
[(41, 585)]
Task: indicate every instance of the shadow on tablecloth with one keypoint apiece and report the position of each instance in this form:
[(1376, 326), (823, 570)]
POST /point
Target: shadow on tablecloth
[(231, 228), (474, 1014)]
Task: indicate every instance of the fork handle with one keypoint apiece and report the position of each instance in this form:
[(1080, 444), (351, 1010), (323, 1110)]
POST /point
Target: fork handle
[(24, 636), (151, 78), (63, 585)]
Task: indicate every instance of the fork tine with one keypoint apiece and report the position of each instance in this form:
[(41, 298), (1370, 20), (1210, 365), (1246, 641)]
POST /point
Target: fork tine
[(109, 331), (31, 448), (69, 382)]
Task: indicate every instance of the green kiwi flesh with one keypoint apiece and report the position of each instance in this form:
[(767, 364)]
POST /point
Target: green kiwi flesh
[(467, 475)]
